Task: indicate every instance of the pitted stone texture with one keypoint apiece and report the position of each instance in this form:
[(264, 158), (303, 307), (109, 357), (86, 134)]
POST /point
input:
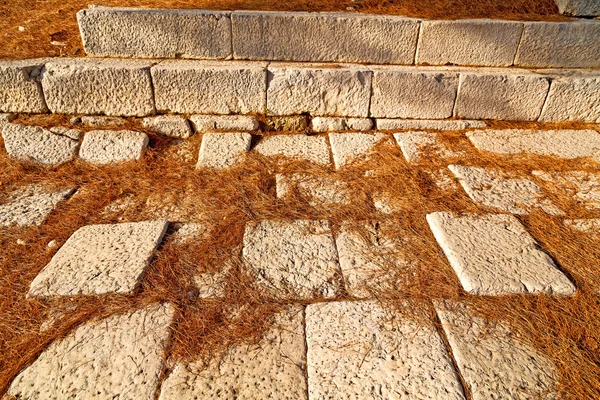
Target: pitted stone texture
[(326, 91), (347, 147), (20, 89), (574, 44), (70, 133), (357, 350), (581, 8), (202, 123), (6, 118), (273, 368), (583, 186), (568, 144), (293, 123), (210, 285), (493, 254), (584, 225), (205, 87), (222, 150), (155, 33), (481, 42), (417, 145), (319, 191), (98, 86), (505, 192), (494, 362), (293, 260), (513, 96), (117, 357), (37, 144), (169, 125), (101, 121), (328, 124), (413, 92), (573, 98), (427, 124), (107, 147), (309, 148), (99, 259), (30, 205)]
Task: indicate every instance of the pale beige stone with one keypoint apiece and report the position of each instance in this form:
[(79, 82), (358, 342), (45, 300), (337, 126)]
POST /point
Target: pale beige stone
[(573, 98), (580, 8), (415, 145), (319, 191), (6, 118), (222, 150), (169, 125), (347, 147), (303, 147), (584, 225), (328, 124), (427, 124), (101, 121), (31, 205), (20, 89), (70, 133), (107, 147), (582, 186), (202, 123)]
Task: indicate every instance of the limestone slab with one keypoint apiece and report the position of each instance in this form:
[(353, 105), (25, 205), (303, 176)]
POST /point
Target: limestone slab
[(333, 37), (293, 260), (319, 191), (358, 350), (272, 368), (99, 259), (580, 8), (155, 33), (107, 147), (584, 225), (328, 124), (573, 98), (121, 356), (384, 124), (303, 147), (413, 93), (493, 254), (98, 86), (513, 96), (483, 42), (31, 205), (582, 186), (202, 123), (101, 121), (320, 91), (347, 147), (169, 125), (415, 145), (494, 362), (37, 144), (222, 150), (20, 88)]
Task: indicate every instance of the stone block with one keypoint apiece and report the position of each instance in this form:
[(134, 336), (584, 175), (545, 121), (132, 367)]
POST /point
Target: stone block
[(222, 150), (107, 147), (297, 146), (31, 205), (288, 123), (20, 88), (169, 125), (573, 98), (579, 8), (427, 124), (582, 186), (329, 124), (203, 123), (347, 147)]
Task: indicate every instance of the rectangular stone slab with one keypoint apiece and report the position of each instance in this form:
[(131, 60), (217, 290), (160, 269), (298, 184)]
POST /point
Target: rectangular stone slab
[(573, 97), (222, 150), (108, 147), (31, 205), (426, 124), (580, 8), (348, 147), (20, 88), (296, 146)]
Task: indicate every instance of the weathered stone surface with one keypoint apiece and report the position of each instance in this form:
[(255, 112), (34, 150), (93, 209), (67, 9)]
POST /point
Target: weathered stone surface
[(30, 205), (20, 89), (516, 96), (494, 362), (319, 191), (99, 259), (34, 143), (202, 123), (329, 124), (309, 148), (117, 357), (583, 186), (493, 254), (584, 225), (357, 350), (483, 42), (205, 87), (565, 143), (416, 145), (580, 8), (155, 33), (106, 147), (169, 125), (272, 368), (573, 98), (347, 147), (222, 150), (6, 118), (413, 92), (293, 260), (98, 86), (325, 91), (502, 191), (439, 125), (574, 44), (293, 123), (334, 37), (101, 121), (70, 133)]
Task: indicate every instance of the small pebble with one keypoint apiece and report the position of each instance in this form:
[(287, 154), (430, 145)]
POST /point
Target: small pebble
[(21, 242), (52, 244)]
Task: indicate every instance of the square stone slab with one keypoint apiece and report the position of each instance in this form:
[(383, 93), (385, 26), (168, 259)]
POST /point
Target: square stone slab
[(357, 350), (309, 148), (415, 145), (318, 190), (384, 124), (222, 150), (107, 147), (30, 205), (169, 125), (99, 259), (493, 254), (293, 260), (120, 357), (347, 147), (583, 186)]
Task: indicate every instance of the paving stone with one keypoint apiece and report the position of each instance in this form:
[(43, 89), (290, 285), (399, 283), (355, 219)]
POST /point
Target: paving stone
[(494, 362), (205, 87), (493, 254), (309, 148), (328, 124), (6, 118), (581, 8), (319, 191), (155, 33), (413, 92), (99, 259), (31, 205), (222, 150), (515, 96), (505, 192), (70, 133), (202, 123), (573, 44), (325, 91), (169, 125), (190, 231), (117, 357), (101, 121), (584, 225), (347, 147), (415, 145), (482, 42), (34, 143), (20, 89), (107, 147), (293, 260), (568, 144), (273, 368), (98, 86), (583, 186), (439, 125), (573, 98), (359, 350), (294, 123)]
